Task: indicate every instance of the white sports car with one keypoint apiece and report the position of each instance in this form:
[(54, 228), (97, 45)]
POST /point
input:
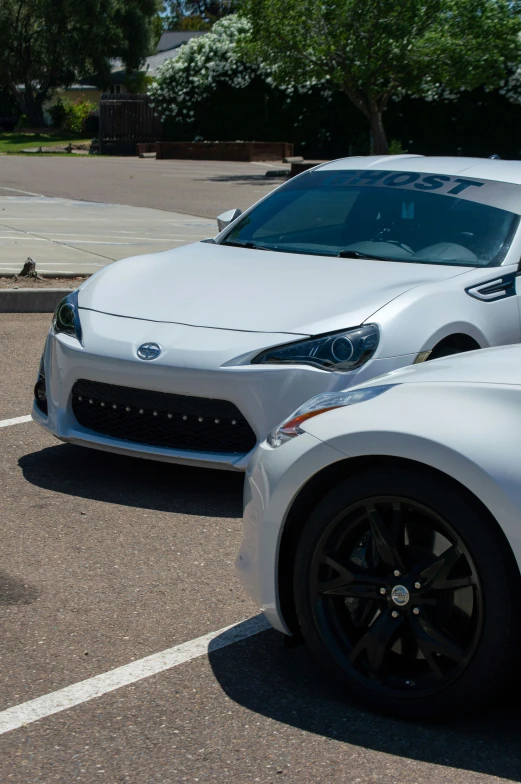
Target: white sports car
[(383, 524), (350, 270)]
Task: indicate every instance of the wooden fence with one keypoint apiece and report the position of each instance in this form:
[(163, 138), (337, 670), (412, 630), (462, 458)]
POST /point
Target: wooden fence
[(125, 121)]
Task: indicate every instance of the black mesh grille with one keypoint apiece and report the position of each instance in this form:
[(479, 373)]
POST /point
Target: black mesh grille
[(160, 419)]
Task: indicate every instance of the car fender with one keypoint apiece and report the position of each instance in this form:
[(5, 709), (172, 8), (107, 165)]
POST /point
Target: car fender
[(468, 432), (420, 318)]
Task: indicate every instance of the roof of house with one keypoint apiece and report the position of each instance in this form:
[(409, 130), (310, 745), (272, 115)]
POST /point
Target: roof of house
[(149, 67), (175, 39), (167, 48), (153, 62)]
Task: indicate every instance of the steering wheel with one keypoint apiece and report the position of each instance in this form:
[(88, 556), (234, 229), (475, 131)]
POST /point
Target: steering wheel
[(394, 242), (399, 244)]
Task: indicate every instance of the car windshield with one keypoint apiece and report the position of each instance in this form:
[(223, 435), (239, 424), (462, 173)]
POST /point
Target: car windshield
[(394, 216)]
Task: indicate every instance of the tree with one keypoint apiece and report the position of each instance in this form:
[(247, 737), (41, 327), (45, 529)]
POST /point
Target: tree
[(47, 44), (210, 90), (375, 50), (195, 14)]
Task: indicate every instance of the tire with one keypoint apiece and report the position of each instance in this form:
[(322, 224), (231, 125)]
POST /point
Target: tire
[(446, 351), (443, 637)]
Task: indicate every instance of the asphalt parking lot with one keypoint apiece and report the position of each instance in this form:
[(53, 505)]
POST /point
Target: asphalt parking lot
[(204, 188), (105, 560)]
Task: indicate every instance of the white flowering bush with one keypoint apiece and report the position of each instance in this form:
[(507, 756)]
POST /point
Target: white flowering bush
[(511, 87), (198, 68), (213, 61)]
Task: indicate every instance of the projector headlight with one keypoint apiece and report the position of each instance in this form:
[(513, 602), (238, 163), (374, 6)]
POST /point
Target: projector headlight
[(66, 317), (340, 351)]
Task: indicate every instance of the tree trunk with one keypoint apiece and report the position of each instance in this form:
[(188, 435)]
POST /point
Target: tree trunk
[(28, 103), (372, 110), (379, 145), (33, 109)]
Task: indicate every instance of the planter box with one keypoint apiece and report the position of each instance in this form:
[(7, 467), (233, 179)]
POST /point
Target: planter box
[(298, 167), (146, 147), (225, 151)]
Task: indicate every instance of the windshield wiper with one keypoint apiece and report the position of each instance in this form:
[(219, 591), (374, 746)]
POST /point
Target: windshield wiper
[(356, 254), (249, 245)]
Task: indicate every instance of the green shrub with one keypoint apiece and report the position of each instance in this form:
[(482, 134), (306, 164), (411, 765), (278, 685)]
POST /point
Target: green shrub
[(71, 116), (395, 147), (57, 114)]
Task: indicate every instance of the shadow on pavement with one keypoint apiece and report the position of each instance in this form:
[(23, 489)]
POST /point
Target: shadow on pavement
[(286, 685), (14, 590), (162, 487), (245, 179)]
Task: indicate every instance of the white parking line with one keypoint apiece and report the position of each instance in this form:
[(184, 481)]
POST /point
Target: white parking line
[(20, 715), (17, 190), (16, 421)]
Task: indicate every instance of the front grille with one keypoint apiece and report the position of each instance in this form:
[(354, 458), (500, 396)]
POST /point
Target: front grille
[(196, 424)]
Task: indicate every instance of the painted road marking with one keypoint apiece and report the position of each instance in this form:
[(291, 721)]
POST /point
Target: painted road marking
[(23, 238), (55, 702), (16, 421), (190, 223), (17, 190)]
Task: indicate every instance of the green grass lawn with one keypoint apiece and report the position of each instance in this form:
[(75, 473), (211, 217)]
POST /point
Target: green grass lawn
[(16, 142)]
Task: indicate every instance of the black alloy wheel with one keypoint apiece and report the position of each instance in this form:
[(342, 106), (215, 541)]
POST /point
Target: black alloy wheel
[(407, 589)]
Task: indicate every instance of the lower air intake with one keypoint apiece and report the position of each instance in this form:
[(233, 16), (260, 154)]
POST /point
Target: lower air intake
[(160, 419)]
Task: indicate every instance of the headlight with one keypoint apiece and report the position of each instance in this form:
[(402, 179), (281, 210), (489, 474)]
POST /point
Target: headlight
[(67, 318), (342, 351), (319, 405)]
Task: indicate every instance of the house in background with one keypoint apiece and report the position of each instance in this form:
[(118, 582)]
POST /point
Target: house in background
[(75, 92), (168, 46), (121, 81)]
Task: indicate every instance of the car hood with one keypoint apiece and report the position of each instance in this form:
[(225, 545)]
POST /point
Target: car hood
[(501, 365), (223, 287)]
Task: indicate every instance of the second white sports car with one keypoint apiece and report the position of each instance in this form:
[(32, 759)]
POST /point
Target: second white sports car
[(352, 269), (383, 525)]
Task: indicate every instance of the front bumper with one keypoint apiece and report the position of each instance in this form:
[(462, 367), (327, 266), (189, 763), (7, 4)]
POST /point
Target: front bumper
[(274, 478), (264, 395)]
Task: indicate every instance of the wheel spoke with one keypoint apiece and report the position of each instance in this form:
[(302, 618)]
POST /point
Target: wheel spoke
[(386, 539), (430, 658), (433, 641), (376, 643), (355, 590), (363, 613), (436, 576), (348, 583)]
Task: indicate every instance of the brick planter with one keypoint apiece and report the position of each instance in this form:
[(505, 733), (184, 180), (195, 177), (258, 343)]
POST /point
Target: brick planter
[(301, 166), (146, 147), (224, 151)]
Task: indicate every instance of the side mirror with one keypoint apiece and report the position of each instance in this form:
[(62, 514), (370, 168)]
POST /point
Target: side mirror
[(227, 217)]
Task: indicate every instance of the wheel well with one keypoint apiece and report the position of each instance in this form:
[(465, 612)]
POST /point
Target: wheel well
[(313, 492), (458, 341)]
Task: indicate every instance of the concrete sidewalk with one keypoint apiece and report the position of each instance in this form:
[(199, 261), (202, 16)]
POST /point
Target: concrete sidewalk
[(79, 237)]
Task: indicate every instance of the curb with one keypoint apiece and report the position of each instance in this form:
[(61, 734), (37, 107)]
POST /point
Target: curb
[(31, 300), (50, 275)]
